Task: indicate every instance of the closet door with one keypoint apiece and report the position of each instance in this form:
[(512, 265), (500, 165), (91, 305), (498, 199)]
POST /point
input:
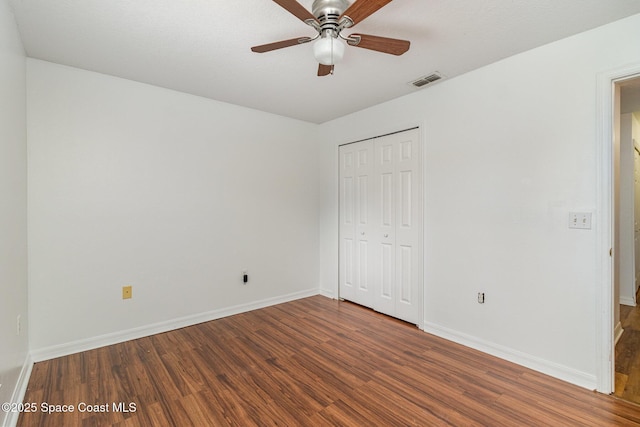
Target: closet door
[(398, 234), (364, 186), (356, 187), (347, 229), (408, 226), (384, 237), (381, 224)]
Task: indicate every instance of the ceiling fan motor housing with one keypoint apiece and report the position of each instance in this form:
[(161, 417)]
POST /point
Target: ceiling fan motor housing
[(328, 12)]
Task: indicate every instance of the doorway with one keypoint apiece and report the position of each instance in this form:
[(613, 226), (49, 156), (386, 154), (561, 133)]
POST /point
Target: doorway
[(626, 190), (607, 245)]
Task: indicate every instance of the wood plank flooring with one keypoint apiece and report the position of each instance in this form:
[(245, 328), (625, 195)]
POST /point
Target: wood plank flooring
[(628, 355), (311, 362)]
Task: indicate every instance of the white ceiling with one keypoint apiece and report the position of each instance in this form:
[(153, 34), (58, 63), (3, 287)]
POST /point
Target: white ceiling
[(202, 47)]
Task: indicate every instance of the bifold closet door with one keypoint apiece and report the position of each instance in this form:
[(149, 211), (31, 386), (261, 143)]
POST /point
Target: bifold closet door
[(381, 224), (356, 165)]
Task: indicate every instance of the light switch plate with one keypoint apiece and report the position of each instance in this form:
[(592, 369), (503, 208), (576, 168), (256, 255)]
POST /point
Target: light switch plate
[(580, 220)]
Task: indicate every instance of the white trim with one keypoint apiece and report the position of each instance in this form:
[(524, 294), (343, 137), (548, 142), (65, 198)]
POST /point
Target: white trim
[(617, 333), (627, 301), (423, 140), (604, 280), (328, 293), (336, 157), (556, 370), (11, 418), (52, 352)]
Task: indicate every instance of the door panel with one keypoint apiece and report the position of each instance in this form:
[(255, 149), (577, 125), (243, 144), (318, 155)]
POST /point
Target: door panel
[(363, 200), (356, 164), (409, 228), (363, 263), (406, 290), (386, 270), (386, 199), (347, 275), (406, 150), (386, 154), (348, 200), (364, 189), (406, 199), (349, 264), (384, 302)]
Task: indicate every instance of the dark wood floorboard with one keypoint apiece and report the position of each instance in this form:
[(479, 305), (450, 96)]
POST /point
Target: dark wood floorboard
[(311, 362)]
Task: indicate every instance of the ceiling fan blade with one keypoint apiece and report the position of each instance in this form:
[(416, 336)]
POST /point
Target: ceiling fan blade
[(360, 9), (279, 45), (380, 44), (325, 70), (295, 8)]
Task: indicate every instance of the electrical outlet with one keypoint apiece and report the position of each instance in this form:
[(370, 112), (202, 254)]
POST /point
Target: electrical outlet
[(245, 277), (481, 297), (127, 292)]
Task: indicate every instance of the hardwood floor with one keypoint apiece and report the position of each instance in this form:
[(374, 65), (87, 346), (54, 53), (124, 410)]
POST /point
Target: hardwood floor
[(311, 362), (628, 355)]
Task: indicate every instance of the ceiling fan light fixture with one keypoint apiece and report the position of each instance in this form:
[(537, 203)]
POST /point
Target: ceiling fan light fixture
[(328, 50), (328, 18)]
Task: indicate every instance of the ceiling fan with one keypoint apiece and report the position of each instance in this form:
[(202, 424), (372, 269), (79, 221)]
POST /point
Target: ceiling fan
[(329, 18)]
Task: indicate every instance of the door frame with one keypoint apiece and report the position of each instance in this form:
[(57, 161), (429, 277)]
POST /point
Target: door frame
[(605, 348), (373, 135)]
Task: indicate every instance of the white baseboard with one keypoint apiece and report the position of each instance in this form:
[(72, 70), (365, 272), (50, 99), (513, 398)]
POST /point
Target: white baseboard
[(617, 333), (11, 419), (327, 293), (65, 349), (627, 301), (553, 369)]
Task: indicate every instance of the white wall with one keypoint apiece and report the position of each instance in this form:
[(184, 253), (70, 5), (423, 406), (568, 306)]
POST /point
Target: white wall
[(13, 207), (176, 195), (510, 150)]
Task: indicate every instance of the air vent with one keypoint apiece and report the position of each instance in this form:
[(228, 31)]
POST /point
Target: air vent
[(423, 81)]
